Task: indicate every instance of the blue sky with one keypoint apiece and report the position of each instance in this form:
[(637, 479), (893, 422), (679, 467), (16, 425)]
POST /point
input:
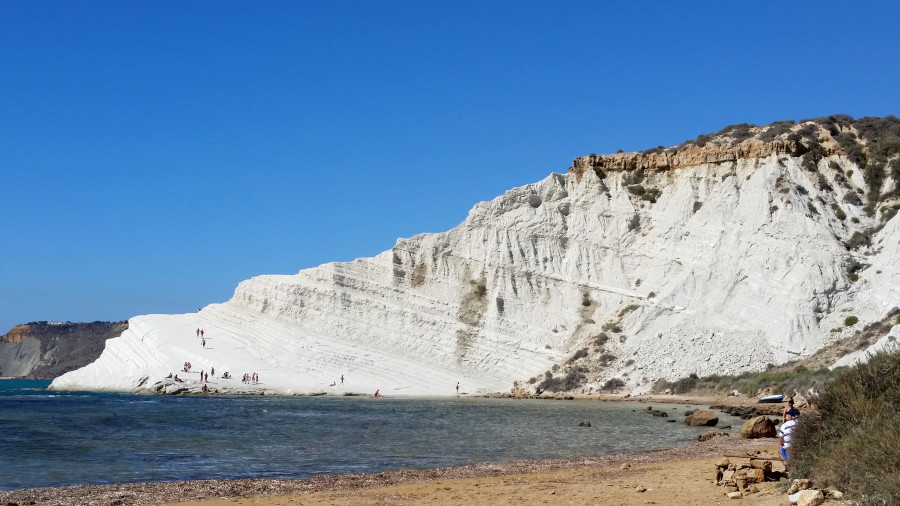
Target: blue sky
[(155, 154)]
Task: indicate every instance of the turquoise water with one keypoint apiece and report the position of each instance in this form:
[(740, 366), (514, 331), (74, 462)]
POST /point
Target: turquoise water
[(55, 438)]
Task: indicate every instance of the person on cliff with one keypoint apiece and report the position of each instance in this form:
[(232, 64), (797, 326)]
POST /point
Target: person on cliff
[(784, 433)]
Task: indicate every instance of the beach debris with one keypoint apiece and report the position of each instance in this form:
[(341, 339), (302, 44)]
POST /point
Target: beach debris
[(761, 426)]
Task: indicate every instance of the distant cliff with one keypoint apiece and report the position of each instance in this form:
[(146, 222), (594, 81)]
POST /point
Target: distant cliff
[(43, 350)]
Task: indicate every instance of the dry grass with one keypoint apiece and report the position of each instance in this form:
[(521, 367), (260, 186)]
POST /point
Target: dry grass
[(852, 440)]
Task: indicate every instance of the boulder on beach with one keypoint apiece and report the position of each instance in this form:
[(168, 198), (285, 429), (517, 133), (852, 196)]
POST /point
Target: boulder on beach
[(701, 418), (758, 427)]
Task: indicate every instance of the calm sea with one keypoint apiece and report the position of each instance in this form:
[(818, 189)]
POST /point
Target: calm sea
[(52, 438)]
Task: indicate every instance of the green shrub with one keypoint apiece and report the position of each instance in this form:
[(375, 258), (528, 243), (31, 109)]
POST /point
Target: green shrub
[(858, 239), (838, 212), (627, 309), (636, 189), (613, 384), (685, 385), (606, 359), (573, 379), (578, 354), (661, 385), (851, 441), (852, 149), (632, 177), (850, 321)]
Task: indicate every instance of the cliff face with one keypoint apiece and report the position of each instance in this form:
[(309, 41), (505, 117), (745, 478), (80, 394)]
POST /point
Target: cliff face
[(719, 256), (47, 350)]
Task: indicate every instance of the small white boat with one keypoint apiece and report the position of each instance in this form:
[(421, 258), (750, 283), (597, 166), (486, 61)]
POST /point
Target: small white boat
[(772, 398)]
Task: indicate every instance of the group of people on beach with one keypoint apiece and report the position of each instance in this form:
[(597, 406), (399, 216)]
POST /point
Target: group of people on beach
[(250, 378)]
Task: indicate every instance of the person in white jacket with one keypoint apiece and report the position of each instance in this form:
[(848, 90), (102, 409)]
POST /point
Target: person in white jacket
[(784, 432)]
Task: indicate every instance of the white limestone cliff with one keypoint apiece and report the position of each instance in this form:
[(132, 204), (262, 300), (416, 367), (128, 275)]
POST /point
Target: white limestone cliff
[(627, 268)]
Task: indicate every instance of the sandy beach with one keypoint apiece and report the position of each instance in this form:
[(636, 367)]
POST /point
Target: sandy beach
[(681, 475)]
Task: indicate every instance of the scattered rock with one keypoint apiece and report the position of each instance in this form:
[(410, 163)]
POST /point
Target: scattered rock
[(710, 435), (656, 412), (747, 412), (701, 418), (641, 488), (626, 466), (809, 497), (765, 465), (755, 475), (585, 423), (798, 485), (723, 462), (734, 495), (759, 427), (833, 493)]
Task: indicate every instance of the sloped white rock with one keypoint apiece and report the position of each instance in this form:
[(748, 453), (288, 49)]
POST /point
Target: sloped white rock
[(737, 265)]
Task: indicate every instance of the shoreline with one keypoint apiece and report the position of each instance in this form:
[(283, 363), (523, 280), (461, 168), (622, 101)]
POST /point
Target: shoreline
[(201, 492)]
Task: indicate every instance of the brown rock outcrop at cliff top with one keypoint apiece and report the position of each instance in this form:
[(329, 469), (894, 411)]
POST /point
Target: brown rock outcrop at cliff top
[(687, 156)]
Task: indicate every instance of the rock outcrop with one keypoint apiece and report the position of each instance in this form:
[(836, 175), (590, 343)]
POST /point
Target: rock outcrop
[(720, 256), (761, 426), (701, 418), (44, 350)]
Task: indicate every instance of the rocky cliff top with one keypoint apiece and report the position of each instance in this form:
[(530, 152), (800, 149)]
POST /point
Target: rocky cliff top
[(873, 140)]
